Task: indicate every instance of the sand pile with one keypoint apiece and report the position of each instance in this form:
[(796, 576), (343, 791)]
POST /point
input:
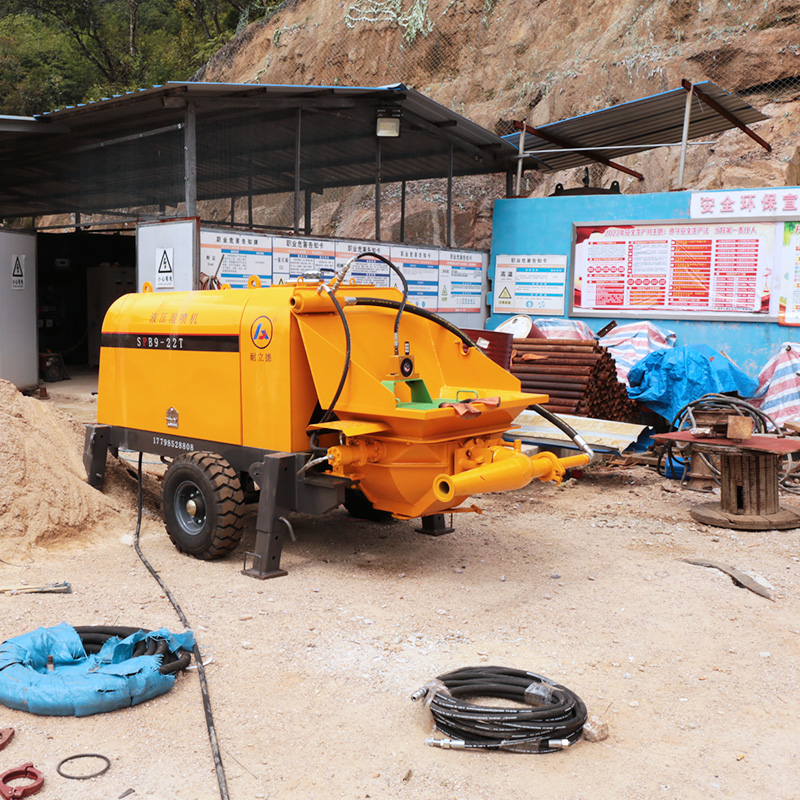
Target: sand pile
[(43, 491)]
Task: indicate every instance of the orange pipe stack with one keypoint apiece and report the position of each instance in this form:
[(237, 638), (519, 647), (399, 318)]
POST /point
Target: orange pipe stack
[(579, 375)]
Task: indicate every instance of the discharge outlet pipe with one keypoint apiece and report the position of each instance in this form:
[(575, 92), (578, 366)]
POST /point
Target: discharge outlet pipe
[(508, 470)]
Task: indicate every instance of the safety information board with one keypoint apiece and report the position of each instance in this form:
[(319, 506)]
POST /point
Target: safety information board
[(687, 268), (525, 284), (439, 280), (365, 270), (293, 258), (234, 257), (789, 309), (18, 271), (460, 281), (421, 269), (165, 268)]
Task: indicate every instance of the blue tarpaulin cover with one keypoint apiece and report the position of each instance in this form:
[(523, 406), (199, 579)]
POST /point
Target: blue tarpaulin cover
[(80, 685), (667, 380)]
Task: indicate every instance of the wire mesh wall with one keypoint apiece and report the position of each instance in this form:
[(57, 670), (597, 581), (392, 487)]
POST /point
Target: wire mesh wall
[(575, 58)]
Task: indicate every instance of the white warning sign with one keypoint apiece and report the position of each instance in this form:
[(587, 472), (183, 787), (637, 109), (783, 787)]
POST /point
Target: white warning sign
[(18, 272), (165, 271)]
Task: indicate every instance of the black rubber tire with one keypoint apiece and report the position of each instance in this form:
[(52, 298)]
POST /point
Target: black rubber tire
[(359, 506), (215, 526)]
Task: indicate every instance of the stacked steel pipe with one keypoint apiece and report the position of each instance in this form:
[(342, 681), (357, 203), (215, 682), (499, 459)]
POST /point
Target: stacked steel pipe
[(578, 374)]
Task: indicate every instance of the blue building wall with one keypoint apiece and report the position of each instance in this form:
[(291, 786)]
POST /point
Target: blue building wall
[(543, 225)]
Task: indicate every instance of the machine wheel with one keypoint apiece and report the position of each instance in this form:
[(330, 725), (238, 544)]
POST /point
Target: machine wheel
[(359, 506), (202, 505)]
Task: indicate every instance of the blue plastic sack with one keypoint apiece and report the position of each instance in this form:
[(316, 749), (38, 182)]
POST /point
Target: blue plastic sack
[(80, 684), (666, 380)]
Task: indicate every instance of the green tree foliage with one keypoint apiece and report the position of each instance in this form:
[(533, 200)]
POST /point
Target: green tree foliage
[(61, 52)]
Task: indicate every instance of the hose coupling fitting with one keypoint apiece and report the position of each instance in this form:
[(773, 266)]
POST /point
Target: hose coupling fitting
[(419, 694), (558, 744), (447, 744)]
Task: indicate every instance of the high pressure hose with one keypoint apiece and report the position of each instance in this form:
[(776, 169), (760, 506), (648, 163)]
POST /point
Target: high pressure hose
[(346, 369), (198, 658), (331, 291), (552, 719), (415, 310), (565, 427), (337, 282)]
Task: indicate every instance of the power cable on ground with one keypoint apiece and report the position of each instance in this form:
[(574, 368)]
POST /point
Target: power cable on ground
[(212, 732)]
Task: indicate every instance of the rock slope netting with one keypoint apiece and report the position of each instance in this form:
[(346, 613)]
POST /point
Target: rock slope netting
[(500, 60)]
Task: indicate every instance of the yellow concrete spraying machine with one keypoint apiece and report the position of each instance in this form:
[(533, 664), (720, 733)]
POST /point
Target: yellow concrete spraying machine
[(311, 394)]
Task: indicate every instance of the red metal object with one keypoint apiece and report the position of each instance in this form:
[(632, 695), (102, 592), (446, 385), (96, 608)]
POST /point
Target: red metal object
[(25, 772), (723, 112), (6, 735), (467, 410), (588, 152), (767, 444)]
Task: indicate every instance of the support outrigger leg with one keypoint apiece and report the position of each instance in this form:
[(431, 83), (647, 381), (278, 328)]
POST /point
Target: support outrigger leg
[(275, 477)]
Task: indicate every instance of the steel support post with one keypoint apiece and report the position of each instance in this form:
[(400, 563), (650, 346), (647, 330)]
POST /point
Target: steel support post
[(190, 161)]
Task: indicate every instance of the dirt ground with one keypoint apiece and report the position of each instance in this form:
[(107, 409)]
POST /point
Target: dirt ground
[(310, 674)]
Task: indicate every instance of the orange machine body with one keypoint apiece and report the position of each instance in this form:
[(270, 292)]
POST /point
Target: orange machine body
[(252, 370)]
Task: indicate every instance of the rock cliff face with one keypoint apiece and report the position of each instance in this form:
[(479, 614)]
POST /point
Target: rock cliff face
[(543, 60)]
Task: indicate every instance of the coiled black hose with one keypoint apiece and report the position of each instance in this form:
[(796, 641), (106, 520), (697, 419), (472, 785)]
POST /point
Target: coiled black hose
[(685, 420), (552, 720), (94, 637)]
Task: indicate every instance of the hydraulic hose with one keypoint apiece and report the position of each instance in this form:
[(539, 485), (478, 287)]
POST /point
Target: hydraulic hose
[(417, 311), (565, 427), (552, 720), (403, 282), (348, 346)]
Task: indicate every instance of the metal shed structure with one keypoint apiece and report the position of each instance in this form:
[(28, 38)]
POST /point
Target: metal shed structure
[(147, 157), (667, 119), (181, 143)]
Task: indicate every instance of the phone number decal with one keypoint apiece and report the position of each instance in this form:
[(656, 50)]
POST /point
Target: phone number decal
[(174, 443)]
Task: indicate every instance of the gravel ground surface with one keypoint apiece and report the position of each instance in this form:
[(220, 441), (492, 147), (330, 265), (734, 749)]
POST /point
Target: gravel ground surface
[(310, 674)]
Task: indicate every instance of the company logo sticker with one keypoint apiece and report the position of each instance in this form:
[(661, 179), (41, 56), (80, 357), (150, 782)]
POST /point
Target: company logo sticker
[(261, 332)]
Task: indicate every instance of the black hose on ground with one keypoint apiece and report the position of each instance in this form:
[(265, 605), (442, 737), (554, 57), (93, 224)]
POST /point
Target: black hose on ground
[(419, 312), (93, 637), (198, 658), (552, 719)]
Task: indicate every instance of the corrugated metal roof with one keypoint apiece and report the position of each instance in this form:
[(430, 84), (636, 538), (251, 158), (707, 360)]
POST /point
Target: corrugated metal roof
[(127, 151), (638, 124)]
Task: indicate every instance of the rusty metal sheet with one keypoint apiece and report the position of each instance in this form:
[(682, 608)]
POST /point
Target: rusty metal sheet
[(763, 443), (601, 434)]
